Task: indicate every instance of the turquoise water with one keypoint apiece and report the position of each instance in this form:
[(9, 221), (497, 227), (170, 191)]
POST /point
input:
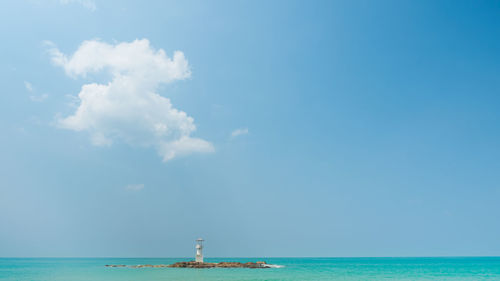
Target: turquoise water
[(64, 269)]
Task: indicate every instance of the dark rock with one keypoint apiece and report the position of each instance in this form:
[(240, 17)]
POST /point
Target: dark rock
[(193, 264)]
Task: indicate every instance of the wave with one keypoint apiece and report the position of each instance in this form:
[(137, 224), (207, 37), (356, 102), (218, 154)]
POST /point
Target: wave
[(274, 266)]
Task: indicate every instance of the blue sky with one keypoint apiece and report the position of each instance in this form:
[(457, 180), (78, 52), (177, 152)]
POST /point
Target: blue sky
[(324, 128)]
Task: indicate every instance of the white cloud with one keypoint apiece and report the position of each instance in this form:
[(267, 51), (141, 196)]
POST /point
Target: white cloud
[(89, 4), (128, 108), (135, 187), (39, 98), (34, 97), (239, 132), (28, 86)]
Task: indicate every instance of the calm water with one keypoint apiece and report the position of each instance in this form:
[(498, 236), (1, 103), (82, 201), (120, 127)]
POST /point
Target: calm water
[(487, 268)]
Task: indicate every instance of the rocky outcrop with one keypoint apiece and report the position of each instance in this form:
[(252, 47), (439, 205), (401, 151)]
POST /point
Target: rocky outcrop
[(193, 264)]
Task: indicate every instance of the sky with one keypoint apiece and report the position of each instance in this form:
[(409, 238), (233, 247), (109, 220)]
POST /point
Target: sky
[(268, 128)]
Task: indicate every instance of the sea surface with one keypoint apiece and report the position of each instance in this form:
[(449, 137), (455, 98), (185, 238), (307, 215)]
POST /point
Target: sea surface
[(79, 269)]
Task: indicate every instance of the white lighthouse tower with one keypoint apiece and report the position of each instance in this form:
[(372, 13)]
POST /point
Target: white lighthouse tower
[(199, 250)]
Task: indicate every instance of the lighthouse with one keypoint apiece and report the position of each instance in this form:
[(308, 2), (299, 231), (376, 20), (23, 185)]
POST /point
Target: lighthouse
[(199, 250)]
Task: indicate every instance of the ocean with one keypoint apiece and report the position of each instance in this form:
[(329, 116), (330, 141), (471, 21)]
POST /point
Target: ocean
[(80, 269)]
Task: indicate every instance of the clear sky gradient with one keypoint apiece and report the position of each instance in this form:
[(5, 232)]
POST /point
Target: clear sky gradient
[(338, 128)]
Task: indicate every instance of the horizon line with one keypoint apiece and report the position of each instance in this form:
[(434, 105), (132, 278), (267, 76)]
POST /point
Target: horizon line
[(250, 257)]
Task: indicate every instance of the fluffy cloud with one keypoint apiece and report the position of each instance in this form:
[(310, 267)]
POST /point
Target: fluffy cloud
[(89, 4), (128, 108), (239, 132)]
